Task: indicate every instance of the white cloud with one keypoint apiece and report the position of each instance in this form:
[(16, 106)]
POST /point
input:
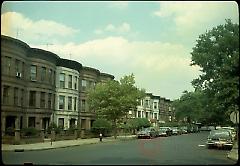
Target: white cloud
[(17, 25), (155, 64), (193, 18), (123, 28)]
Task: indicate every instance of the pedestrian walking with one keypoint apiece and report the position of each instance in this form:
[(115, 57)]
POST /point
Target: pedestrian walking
[(100, 136)]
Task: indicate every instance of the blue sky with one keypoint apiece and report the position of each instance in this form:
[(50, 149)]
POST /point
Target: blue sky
[(152, 40)]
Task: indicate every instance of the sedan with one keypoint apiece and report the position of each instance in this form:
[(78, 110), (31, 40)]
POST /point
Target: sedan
[(163, 132), (168, 130), (147, 133), (220, 139), (175, 131)]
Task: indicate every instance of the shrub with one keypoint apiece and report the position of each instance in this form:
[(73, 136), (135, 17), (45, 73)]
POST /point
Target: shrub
[(10, 131), (31, 131)]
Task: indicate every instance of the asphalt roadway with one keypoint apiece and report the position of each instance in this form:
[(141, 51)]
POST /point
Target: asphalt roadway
[(187, 149)]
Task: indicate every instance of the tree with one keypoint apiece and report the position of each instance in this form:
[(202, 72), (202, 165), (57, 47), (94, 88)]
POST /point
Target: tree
[(138, 123), (101, 126), (190, 105), (217, 53), (113, 100)]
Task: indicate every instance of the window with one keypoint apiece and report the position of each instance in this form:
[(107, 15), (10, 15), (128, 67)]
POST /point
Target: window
[(147, 103), (70, 81), (17, 62), (8, 65), (23, 69), (75, 82), (43, 74), (60, 122), (22, 96), (155, 115), (155, 105), (32, 98), (69, 103), (146, 114), (6, 94), (50, 75), (83, 105), (75, 103), (84, 84), (61, 102), (15, 96), (62, 80), (42, 100), (31, 122), (49, 100), (33, 74), (54, 78), (139, 114)]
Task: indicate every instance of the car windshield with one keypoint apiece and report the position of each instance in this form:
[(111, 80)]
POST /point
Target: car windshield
[(146, 129), (219, 134)]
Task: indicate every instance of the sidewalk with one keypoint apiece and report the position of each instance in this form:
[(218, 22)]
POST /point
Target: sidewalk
[(233, 154), (62, 144)]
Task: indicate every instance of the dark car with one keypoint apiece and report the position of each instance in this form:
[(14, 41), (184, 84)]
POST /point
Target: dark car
[(220, 139), (147, 133), (168, 130)]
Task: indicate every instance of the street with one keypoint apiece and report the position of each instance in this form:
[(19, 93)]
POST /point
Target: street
[(186, 149)]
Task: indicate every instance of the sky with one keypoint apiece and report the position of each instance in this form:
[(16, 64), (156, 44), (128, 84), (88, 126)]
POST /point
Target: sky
[(151, 39)]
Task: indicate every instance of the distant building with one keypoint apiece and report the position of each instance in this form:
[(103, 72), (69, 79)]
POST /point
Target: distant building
[(156, 109)]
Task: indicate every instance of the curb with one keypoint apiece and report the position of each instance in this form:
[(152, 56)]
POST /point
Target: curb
[(65, 146)]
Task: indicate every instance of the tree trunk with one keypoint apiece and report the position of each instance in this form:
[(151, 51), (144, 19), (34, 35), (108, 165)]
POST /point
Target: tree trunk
[(115, 128)]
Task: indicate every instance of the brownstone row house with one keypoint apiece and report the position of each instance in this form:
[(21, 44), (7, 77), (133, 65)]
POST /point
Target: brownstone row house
[(38, 87)]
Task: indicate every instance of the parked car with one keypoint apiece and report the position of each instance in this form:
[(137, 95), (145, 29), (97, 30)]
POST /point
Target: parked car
[(163, 132), (147, 133), (168, 130), (219, 138), (184, 129), (231, 130), (175, 131)]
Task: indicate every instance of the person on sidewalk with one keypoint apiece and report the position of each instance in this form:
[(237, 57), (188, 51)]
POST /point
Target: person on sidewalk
[(100, 136)]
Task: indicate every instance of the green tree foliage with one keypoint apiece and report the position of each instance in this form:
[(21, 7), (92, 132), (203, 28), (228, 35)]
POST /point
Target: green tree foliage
[(138, 123), (217, 53), (190, 105), (113, 100), (101, 126)]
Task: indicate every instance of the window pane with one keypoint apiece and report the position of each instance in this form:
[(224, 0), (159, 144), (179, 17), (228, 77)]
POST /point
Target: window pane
[(32, 98), (42, 99), (61, 102), (75, 103), (69, 103), (31, 122), (62, 80), (15, 96), (50, 75), (17, 65), (43, 74), (70, 81), (75, 83), (33, 73), (83, 105), (49, 100)]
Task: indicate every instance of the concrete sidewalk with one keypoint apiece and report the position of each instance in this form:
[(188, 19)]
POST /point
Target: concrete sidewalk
[(62, 144), (233, 154)]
